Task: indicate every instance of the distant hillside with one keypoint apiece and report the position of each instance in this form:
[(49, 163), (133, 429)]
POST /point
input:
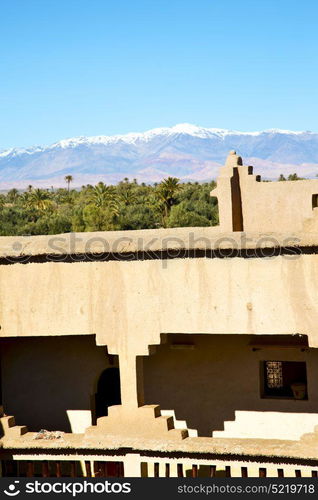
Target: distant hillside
[(185, 151)]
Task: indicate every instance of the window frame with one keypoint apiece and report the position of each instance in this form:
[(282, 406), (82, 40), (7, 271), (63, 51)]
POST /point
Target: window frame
[(265, 391)]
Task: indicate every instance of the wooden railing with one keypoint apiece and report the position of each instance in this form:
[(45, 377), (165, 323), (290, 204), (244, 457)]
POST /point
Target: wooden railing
[(158, 469), (152, 467), (63, 468)]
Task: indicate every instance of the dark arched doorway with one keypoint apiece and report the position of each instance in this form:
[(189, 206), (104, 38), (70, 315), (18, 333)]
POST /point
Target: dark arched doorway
[(108, 391)]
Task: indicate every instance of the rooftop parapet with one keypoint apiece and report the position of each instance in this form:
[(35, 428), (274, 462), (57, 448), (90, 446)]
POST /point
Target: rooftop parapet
[(246, 204), (152, 244)]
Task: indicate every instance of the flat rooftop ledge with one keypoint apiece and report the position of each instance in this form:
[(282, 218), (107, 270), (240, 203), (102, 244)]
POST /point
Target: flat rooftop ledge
[(236, 448), (149, 241)]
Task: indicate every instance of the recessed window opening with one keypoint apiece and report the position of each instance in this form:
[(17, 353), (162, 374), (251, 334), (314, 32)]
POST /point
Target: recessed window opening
[(284, 379), (314, 201)]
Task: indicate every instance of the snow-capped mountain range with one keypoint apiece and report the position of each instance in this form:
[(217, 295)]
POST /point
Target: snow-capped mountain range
[(185, 151)]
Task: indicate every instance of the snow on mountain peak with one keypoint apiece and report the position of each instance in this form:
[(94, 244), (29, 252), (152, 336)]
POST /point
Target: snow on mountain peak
[(137, 137), (184, 150)]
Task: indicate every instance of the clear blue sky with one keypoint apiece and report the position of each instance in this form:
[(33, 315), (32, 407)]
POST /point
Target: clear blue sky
[(90, 67)]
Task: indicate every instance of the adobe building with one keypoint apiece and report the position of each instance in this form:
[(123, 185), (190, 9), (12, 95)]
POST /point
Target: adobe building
[(169, 352)]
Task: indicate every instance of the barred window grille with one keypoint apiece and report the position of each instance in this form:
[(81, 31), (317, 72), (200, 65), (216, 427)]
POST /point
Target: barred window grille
[(274, 374)]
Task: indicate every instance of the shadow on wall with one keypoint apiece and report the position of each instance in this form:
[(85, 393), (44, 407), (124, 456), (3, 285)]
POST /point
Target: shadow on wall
[(206, 378), (108, 391), (43, 378)]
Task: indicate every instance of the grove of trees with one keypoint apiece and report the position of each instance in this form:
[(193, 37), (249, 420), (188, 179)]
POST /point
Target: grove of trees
[(127, 205)]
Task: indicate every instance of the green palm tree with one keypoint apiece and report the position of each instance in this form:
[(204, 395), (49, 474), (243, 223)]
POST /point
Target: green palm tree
[(166, 193), (2, 201), (68, 179), (104, 196), (13, 195), (128, 197), (26, 197), (171, 184), (39, 200)]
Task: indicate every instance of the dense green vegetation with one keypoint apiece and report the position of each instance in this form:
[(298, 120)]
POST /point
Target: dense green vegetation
[(128, 205)]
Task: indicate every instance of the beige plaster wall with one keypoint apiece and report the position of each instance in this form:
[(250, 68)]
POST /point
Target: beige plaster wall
[(128, 304), (220, 375), (42, 378), (266, 206), (276, 206)]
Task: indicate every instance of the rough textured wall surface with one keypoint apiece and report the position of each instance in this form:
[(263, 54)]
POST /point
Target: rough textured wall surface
[(42, 378), (265, 206), (276, 206), (128, 304)]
